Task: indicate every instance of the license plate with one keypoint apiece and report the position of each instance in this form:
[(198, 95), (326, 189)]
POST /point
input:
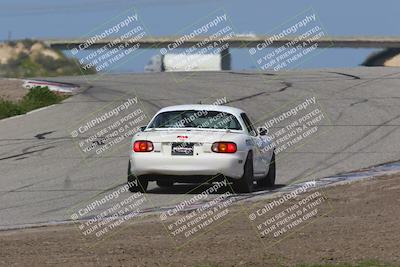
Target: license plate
[(182, 149)]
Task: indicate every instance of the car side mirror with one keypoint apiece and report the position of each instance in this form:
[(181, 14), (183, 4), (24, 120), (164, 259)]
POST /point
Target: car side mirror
[(262, 131), (141, 128)]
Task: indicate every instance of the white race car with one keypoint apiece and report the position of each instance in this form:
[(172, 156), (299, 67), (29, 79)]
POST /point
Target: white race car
[(194, 143)]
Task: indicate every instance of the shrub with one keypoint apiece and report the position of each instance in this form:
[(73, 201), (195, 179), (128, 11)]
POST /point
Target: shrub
[(9, 108), (37, 97)]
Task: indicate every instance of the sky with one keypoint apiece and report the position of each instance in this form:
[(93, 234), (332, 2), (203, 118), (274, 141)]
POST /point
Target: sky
[(76, 18)]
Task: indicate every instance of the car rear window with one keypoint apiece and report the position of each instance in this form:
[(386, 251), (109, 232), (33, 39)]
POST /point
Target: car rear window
[(196, 119)]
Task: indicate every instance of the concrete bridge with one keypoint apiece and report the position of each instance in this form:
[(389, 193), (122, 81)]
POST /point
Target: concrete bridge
[(249, 41), (239, 41)]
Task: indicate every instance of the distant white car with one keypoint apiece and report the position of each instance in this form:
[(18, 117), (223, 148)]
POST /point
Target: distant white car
[(193, 143)]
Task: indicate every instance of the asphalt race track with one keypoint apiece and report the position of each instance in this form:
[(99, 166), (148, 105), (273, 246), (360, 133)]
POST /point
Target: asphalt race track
[(43, 174)]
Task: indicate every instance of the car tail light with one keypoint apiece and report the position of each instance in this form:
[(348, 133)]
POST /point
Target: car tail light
[(143, 146), (224, 147)]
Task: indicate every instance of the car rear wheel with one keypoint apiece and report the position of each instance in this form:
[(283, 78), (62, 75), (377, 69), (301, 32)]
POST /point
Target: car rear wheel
[(269, 179), (165, 183), (136, 184), (245, 184)]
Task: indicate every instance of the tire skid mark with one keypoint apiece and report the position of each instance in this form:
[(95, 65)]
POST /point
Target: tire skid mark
[(345, 74), (26, 152), (286, 86), (359, 102)]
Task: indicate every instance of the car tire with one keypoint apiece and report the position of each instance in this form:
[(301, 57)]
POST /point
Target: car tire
[(269, 179), (246, 183), (165, 183), (136, 184)]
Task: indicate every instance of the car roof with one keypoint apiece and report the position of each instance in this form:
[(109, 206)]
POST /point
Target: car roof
[(227, 109)]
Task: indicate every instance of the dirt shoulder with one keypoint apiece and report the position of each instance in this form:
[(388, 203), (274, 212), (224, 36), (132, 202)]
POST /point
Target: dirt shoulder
[(12, 89), (356, 222)]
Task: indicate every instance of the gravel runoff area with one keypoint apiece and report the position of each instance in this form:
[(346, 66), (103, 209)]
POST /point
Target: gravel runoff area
[(356, 222), (12, 89)]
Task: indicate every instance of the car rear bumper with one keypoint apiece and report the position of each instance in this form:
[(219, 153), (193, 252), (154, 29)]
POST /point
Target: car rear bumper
[(207, 164)]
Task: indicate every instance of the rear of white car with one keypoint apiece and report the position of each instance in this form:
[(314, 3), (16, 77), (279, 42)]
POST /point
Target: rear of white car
[(198, 159), (191, 143)]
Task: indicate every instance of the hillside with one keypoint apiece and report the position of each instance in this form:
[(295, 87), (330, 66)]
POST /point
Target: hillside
[(30, 58)]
